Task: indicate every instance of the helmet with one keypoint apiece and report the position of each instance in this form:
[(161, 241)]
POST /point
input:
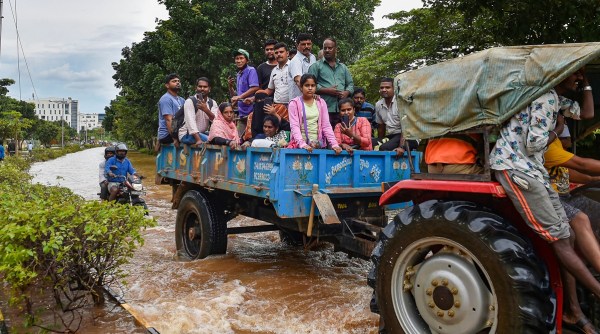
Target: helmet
[(121, 147), (109, 150), (121, 150)]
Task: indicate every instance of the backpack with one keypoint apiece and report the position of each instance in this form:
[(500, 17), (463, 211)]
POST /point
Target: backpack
[(179, 117)]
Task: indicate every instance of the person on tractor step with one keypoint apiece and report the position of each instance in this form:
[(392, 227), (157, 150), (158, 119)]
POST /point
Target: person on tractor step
[(118, 173), (454, 154), (109, 152), (518, 162), (388, 121), (583, 213)]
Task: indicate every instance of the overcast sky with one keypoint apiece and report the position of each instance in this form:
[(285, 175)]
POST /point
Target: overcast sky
[(70, 44)]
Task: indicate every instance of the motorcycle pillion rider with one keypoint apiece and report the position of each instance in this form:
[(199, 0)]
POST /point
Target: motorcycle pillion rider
[(117, 168), (109, 152)]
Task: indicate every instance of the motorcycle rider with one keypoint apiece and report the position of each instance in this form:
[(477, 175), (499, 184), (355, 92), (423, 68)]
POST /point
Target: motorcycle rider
[(109, 152), (118, 173)]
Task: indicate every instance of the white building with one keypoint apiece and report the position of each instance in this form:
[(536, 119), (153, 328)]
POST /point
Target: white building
[(89, 121), (54, 109)]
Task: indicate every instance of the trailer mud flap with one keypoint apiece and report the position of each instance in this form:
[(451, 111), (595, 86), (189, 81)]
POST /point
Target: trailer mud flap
[(326, 209)]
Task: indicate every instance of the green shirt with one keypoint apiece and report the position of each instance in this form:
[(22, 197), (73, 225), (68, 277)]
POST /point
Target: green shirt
[(338, 77), (312, 121)]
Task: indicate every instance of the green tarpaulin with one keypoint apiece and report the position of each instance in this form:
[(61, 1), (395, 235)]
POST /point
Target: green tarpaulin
[(483, 88)]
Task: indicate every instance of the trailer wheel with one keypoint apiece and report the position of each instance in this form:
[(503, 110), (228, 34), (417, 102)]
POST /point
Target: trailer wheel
[(290, 237), (454, 267), (199, 230)]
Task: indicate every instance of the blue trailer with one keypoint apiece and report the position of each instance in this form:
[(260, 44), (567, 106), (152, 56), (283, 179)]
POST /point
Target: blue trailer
[(304, 195)]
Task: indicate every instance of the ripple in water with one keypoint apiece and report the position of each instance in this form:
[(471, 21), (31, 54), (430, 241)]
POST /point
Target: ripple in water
[(259, 286)]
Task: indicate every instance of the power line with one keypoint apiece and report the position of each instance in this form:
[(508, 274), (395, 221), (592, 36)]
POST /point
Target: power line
[(20, 44), (15, 17), (1, 19)]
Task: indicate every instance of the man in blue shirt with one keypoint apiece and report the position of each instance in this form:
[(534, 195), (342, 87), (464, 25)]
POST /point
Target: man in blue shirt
[(168, 105), (246, 84), (1, 150), (118, 173)]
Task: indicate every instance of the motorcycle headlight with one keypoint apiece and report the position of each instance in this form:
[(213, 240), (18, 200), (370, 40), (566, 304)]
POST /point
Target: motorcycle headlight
[(137, 186)]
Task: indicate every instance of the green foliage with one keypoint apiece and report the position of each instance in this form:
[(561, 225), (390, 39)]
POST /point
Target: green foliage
[(446, 29), (13, 171), (146, 151), (48, 235), (4, 83), (13, 125), (107, 123), (46, 131), (199, 38), (45, 154), (518, 22)]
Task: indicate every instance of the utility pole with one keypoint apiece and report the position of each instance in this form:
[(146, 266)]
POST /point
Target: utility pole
[(1, 17)]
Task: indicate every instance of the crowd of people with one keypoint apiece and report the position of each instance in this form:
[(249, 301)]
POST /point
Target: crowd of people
[(12, 148), (308, 102), (293, 101)]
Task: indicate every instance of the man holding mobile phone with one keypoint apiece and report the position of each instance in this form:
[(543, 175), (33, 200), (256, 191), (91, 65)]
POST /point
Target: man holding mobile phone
[(246, 83), (168, 105), (199, 111), (279, 86)]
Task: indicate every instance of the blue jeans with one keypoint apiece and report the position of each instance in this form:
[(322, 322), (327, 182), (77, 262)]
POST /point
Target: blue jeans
[(190, 140)]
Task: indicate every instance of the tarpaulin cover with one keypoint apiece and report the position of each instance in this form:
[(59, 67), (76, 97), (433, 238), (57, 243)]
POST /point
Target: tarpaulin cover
[(483, 88)]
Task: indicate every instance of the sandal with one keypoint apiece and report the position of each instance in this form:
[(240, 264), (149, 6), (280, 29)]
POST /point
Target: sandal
[(579, 326)]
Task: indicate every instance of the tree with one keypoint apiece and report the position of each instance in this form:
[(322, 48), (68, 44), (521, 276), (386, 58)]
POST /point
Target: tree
[(445, 29), (200, 36), (12, 125), (46, 132), (4, 83), (7, 103), (518, 22), (107, 122)]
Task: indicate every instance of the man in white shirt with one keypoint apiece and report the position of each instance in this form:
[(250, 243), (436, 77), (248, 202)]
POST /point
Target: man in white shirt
[(388, 119), (301, 62), (279, 81), (279, 85), (198, 117)]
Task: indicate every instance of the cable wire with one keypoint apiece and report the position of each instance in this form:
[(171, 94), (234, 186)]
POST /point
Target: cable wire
[(19, 43)]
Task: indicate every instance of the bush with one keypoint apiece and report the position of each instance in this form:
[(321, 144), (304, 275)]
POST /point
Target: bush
[(45, 154), (49, 234), (144, 150)]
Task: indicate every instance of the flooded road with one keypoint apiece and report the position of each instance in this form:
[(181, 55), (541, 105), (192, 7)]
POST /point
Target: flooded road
[(259, 286)]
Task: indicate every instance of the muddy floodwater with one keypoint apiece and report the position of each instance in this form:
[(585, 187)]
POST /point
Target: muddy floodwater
[(259, 286)]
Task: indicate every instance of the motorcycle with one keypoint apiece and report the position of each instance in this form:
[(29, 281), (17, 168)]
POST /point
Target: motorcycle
[(131, 190)]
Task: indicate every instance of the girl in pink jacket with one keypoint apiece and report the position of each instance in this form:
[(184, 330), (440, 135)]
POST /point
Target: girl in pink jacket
[(309, 119)]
